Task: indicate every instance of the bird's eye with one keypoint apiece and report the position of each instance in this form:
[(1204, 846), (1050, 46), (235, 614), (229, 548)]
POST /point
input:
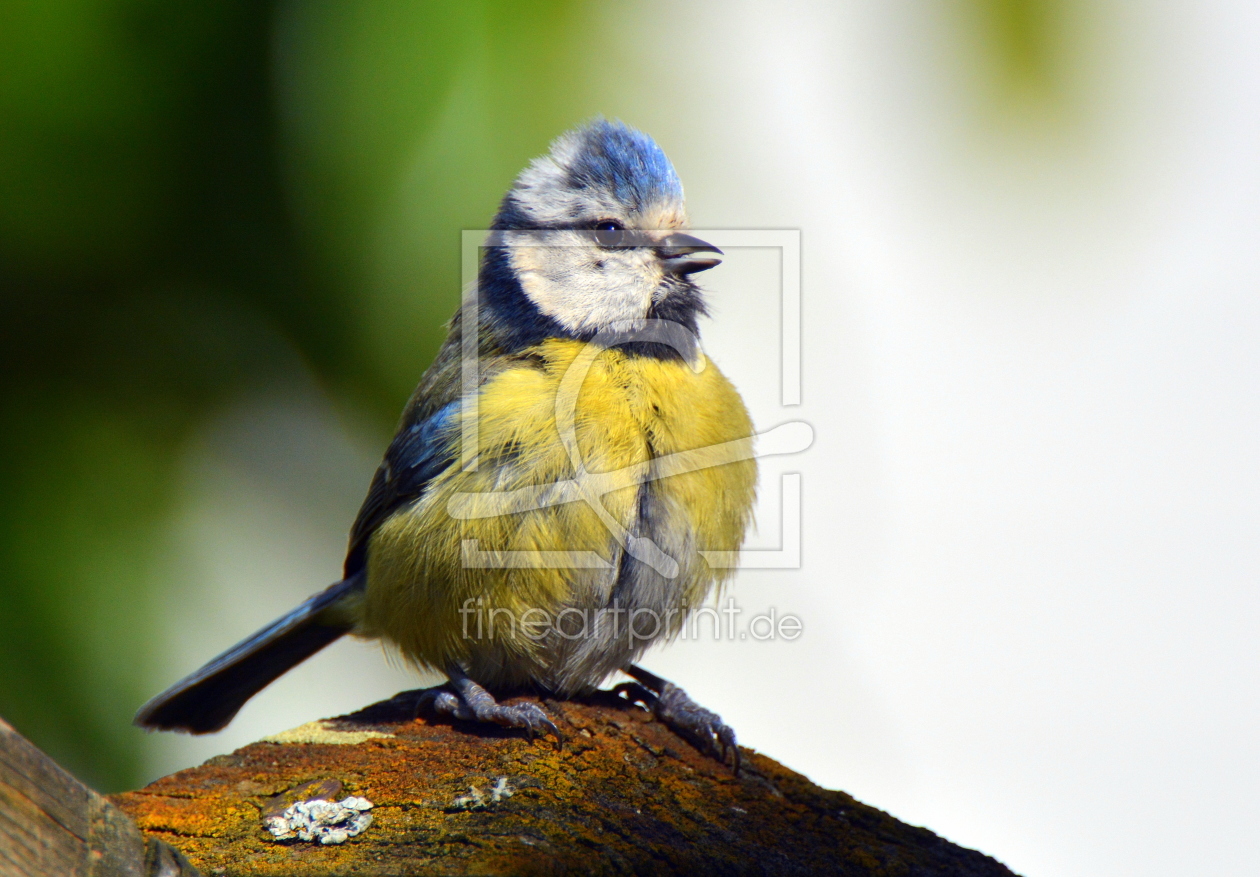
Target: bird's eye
[(608, 233)]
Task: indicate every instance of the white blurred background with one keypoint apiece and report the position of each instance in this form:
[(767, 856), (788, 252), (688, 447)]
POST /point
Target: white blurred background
[(1032, 507)]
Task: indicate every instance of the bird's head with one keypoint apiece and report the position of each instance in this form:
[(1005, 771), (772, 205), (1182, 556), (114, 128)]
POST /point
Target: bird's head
[(593, 238)]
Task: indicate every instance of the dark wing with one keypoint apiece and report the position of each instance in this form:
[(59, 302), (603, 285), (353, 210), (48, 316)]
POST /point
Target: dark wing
[(208, 699), (417, 453)]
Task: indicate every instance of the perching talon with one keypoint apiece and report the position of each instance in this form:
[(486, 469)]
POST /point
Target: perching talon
[(636, 693), (469, 702), (703, 728)]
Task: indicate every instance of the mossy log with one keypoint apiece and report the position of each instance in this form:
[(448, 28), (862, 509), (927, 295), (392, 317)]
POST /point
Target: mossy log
[(623, 795)]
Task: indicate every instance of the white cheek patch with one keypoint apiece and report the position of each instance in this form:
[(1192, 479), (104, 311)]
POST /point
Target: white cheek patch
[(585, 288)]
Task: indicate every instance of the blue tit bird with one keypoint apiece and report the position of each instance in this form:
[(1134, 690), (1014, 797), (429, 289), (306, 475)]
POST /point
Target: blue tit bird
[(539, 519)]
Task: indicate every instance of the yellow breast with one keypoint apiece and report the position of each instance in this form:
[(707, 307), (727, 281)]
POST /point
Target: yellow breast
[(537, 518)]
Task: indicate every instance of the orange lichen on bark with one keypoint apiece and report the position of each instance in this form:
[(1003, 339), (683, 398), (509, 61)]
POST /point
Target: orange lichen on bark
[(623, 795)]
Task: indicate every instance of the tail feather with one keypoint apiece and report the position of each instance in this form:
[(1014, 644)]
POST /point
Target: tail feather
[(208, 699)]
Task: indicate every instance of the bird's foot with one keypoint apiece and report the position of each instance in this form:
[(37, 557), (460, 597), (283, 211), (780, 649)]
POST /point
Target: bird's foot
[(703, 728), (469, 702)]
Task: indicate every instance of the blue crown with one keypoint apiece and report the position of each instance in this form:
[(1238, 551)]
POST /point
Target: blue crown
[(616, 158)]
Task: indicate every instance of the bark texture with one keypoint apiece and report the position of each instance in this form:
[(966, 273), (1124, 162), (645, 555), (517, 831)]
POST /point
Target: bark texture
[(624, 795)]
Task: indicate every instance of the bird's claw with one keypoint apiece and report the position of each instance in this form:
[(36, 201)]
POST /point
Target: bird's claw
[(527, 716), (478, 705), (634, 692), (703, 728)]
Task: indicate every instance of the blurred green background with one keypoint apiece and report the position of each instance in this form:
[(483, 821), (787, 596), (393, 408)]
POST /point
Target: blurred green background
[(197, 198), (189, 193), (230, 237)]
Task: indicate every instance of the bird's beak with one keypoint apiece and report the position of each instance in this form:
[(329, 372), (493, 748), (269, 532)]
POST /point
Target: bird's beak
[(678, 252)]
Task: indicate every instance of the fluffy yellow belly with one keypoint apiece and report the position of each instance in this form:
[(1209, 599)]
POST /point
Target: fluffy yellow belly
[(514, 563)]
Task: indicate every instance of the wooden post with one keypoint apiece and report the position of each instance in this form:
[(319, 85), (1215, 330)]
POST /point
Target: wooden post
[(53, 825)]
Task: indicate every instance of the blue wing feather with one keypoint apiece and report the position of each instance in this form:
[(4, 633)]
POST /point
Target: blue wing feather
[(417, 454)]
